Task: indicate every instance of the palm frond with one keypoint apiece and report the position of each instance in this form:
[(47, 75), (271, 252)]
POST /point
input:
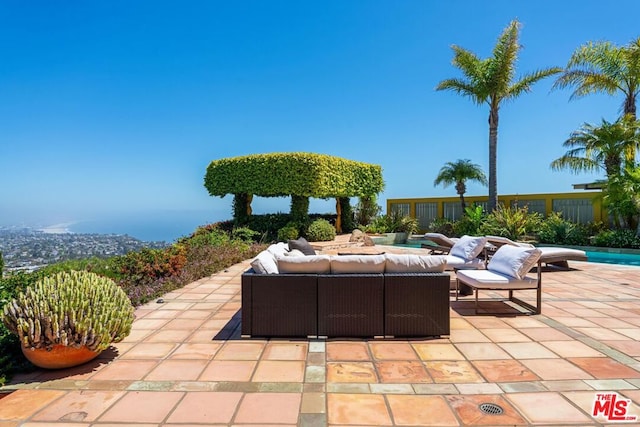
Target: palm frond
[(524, 84), (505, 54), (462, 87)]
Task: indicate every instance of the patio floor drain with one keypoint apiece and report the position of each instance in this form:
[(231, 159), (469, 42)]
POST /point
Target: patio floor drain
[(491, 409)]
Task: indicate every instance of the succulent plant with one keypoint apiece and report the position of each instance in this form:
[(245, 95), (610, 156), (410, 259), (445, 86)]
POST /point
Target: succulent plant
[(73, 309)]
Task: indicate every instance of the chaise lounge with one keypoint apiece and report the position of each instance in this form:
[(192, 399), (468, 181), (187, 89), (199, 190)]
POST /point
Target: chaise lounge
[(550, 255), (507, 270)]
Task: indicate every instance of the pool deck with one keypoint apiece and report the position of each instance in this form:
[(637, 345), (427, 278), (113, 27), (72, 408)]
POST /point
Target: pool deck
[(185, 365)]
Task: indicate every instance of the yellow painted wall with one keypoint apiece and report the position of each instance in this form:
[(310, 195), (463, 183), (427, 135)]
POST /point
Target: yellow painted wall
[(599, 213)]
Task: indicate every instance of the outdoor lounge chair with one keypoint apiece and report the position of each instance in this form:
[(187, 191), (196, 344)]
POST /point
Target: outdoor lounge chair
[(553, 255), (507, 270), (466, 252)]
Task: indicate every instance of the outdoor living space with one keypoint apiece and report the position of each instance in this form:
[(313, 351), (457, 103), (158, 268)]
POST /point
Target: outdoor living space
[(184, 364)]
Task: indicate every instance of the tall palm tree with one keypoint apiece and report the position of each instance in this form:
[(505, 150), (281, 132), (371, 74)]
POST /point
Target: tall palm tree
[(607, 147), (604, 67), (491, 81), (458, 173)]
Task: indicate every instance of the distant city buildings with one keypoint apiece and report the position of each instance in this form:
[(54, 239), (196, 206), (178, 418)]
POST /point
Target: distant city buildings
[(29, 249)]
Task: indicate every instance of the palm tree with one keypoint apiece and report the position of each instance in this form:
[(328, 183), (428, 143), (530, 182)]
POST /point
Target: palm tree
[(610, 147), (458, 173), (607, 147), (491, 81), (605, 67)]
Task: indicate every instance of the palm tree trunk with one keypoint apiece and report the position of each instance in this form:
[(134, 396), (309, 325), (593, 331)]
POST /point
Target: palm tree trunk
[(493, 156), (630, 106)]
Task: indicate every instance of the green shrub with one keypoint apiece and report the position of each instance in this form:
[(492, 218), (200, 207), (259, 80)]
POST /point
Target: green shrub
[(513, 223), (290, 231), (73, 309), (617, 239), (556, 230), (321, 230), (244, 234), (268, 225), (442, 226), (470, 222)]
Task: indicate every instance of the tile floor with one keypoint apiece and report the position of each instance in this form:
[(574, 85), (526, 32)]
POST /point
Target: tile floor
[(183, 365)]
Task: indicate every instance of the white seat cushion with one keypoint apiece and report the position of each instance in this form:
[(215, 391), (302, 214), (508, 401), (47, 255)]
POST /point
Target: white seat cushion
[(485, 279), (457, 262)]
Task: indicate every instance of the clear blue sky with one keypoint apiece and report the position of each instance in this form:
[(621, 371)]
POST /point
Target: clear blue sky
[(118, 106)]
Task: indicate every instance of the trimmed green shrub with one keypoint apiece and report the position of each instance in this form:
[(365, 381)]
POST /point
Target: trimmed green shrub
[(346, 217), (321, 230), (288, 232), (74, 309), (300, 209)]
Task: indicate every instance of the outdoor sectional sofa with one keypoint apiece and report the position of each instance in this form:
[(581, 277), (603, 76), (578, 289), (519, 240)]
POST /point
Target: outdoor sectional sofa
[(345, 296)]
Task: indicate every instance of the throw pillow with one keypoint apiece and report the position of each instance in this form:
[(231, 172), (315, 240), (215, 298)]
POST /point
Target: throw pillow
[(468, 247), (514, 261), (302, 245), (264, 263), (411, 263)]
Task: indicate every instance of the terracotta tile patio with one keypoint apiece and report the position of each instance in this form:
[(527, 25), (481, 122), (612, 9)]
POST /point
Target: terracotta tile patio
[(185, 365)]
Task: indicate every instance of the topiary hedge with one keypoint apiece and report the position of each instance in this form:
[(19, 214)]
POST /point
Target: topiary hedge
[(301, 175)]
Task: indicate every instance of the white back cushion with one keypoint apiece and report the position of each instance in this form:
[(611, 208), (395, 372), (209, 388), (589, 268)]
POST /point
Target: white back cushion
[(265, 263), (514, 261), (345, 264), (278, 248), (468, 247), (411, 263), (313, 264)]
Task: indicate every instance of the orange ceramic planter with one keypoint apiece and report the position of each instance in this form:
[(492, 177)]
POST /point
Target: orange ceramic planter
[(60, 356)]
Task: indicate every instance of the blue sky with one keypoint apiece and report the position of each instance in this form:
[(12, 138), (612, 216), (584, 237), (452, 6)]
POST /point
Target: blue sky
[(114, 108)]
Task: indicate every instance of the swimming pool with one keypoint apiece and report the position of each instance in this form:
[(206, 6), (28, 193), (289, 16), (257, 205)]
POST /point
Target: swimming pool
[(592, 256), (613, 258)]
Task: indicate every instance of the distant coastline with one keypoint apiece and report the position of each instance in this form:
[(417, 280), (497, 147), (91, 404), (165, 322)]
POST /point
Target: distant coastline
[(62, 228)]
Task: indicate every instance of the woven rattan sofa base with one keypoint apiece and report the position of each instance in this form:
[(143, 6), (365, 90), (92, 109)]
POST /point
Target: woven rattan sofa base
[(345, 305)]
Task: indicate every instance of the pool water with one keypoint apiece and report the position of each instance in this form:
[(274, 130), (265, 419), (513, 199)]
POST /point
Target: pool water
[(614, 258), (592, 256)]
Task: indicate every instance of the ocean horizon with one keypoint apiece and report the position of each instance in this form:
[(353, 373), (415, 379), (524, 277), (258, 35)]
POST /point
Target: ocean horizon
[(167, 227)]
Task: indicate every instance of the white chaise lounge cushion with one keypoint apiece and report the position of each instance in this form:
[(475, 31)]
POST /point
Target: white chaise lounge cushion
[(311, 264), (411, 263), (264, 263), (485, 279), (553, 252), (514, 261), (346, 264), (468, 247)]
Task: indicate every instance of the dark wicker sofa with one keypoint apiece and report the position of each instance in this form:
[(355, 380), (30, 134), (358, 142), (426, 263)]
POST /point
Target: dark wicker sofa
[(345, 305)]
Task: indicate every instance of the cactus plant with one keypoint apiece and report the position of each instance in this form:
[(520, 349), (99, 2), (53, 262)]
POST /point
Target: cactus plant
[(73, 309)]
